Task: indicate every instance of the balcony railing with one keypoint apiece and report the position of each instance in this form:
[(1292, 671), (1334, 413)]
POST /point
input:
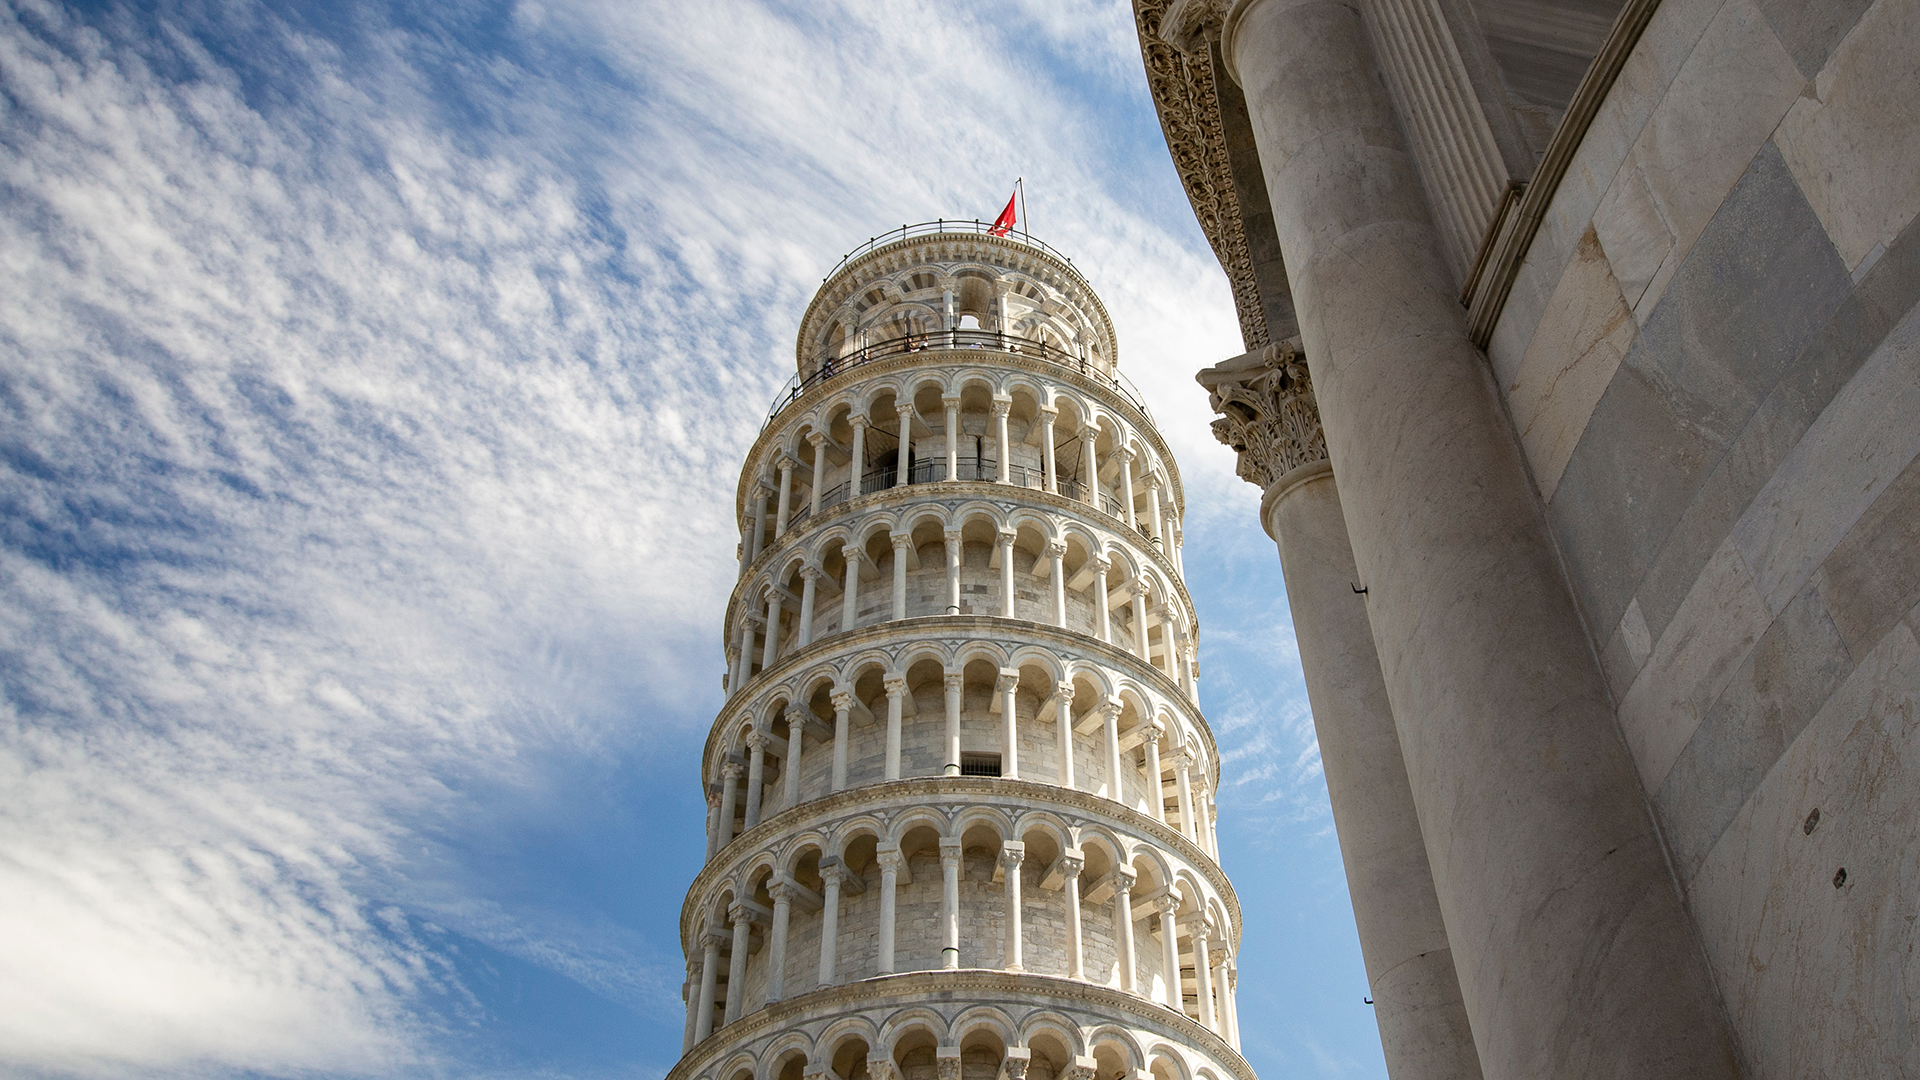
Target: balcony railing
[(827, 367)]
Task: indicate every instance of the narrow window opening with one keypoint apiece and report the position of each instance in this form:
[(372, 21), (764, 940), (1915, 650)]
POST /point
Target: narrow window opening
[(979, 764)]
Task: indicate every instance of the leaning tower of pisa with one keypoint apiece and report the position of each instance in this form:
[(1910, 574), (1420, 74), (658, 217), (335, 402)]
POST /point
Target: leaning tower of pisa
[(960, 820)]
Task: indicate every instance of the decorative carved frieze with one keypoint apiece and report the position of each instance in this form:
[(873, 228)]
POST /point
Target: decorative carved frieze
[(1182, 86), (1267, 412)]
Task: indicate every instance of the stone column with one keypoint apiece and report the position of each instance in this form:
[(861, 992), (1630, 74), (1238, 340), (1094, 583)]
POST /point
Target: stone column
[(1102, 614), (950, 903), (1170, 949), (1575, 954), (742, 921), (782, 893), (1048, 413), (1203, 975), (760, 493), (733, 669), (689, 988), (745, 669), (850, 587), (1063, 720), (902, 543), (1169, 634), (1057, 552), (1008, 687), (729, 795), (1123, 926), (956, 682), (903, 473), (1156, 795), (786, 495), (892, 864), (1229, 1008), (713, 820), (1006, 574), (832, 876), (756, 776), (1154, 520), (809, 577), (774, 596), (709, 980), (842, 707), (954, 551), (819, 441), (857, 467), (1183, 778), (953, 437), (1000, 410), (1110, 724), (896, 690), (1012, 854), (1071, 864), (1140, 588), (1125, 457), (1091, 467), (796, 736)]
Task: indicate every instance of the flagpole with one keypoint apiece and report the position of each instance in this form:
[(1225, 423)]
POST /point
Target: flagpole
[(1019, 185)]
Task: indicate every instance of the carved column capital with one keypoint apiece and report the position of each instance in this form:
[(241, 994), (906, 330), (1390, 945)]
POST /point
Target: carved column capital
[(1267, 412)]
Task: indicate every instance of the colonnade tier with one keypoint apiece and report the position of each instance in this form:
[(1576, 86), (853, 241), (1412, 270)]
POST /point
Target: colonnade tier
[(1046, 425), (885, 882), (957, 550), (889, 701), (963, 1024)]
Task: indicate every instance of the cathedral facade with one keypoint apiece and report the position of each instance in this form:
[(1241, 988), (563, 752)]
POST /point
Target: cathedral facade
[(961, 819), (1583, 386)]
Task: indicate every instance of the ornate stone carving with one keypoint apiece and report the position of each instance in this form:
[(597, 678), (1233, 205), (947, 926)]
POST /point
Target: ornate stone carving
[(1182, 89), (1267, 412)]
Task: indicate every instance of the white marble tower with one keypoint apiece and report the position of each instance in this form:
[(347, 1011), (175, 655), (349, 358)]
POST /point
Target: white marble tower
[(960, 819)]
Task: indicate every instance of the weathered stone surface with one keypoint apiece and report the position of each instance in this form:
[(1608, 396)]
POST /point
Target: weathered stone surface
[(1872, 578), (1809, 32)]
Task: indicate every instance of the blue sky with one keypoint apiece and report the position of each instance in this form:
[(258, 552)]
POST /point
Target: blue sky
[(373, 382)]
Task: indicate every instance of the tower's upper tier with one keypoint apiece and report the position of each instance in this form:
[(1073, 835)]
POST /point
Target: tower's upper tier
[(936, 277)]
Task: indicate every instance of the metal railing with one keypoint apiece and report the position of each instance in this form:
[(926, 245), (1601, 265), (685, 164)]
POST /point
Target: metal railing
[(827, 367), (941, 225)]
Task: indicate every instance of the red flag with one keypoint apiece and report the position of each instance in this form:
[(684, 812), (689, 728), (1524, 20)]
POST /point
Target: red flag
[(1003, 224)]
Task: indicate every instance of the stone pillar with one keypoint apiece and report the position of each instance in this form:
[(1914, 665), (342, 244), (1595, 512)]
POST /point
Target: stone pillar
[(1048, 413), (760, 493), (1203, 975), (1183, 778), (903, 474), (1006, 574), (745, 669), (1229, 1008), (756, 776), (709, 980), (786, 495), (954, 550), (850, 587), (832, 875), (819, 441), (782, 893), (1140, 588), (1012, 854), (1123, 925), (713, 820), (902, 544), (1154, 520), (1125, 457), (1000, 410), (689, 988), (729, 795), (1057, 552), (892, 864), (774, 596), (1575, 954), (1110, 724), (1063, 720), (796, 736), (950, 903), (1102, 615), (1168, 635), (809, 577), (1089, 466), (1007, 686), (955, 683), (1170, 949), (737, 964), (842, 707), (953, 437), (1071, 864), (896, 690), (1156, 795), (857, 467)]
